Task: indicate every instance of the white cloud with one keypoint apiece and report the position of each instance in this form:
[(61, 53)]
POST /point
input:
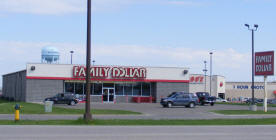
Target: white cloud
[(145, 55), (48, 7), (61, 7), (234, 65)]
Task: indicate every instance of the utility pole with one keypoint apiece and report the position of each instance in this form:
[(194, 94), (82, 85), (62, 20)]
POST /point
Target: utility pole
[(253, 106), (87, 116), (211, 73), (71, 56), (205, 71)]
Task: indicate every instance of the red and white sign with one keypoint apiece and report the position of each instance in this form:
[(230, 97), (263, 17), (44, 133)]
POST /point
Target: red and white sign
[(264, 63), (196, 79), (107, 73), (114, 72)]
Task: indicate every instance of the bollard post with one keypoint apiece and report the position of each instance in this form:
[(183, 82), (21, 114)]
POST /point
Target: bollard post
[(17, 113)]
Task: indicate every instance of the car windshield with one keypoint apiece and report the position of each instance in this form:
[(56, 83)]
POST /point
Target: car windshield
[(172, 94), (202, 94)]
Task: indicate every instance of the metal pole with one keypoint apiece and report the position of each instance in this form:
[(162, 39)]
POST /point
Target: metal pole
[(71, 56), (93, 62), (253, 106), (205, 70), (211, 73), (253, 86), (265, 93), (87, 116)]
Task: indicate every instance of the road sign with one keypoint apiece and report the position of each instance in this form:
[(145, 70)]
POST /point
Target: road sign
[(264, 63)]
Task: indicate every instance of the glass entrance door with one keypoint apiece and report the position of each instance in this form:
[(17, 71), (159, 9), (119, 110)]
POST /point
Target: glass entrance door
[(108, 94)]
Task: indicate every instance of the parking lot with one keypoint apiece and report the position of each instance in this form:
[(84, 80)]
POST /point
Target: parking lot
[(156, 111)]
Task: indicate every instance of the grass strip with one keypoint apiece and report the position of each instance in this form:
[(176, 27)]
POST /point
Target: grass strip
[(245, 104), (32, 108), (266, 121), (244, 112)]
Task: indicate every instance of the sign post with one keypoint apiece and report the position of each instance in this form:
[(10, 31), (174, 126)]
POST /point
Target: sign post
[(264, 66), (265, 93)]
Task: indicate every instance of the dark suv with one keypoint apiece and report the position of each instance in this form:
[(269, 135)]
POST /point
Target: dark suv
[(180, 99), (64, 98), (205, 98)]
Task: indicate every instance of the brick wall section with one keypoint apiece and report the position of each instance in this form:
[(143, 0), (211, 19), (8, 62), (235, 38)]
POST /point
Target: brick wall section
[(38, 90), (164, 89)]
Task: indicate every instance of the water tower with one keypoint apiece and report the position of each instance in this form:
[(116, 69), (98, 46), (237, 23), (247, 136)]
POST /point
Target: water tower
[(49, 55)]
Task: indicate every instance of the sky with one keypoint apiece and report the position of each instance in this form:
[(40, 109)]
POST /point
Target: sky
[(169, 33)]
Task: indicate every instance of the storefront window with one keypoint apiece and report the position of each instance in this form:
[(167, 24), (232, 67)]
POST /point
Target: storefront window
[(137, 89), (97, 89), (91, 88), (128, 89), (146, 89), (69, 87), (131, 89), (79, 88), (119, 89), (84, 88)]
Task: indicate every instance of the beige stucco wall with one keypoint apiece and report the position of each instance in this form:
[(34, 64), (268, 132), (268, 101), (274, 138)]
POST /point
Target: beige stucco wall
[(243, 89)]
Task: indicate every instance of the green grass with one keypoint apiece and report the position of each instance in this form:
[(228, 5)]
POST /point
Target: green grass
[(228, 103), (32, 108), (244, 112), (268, 121)]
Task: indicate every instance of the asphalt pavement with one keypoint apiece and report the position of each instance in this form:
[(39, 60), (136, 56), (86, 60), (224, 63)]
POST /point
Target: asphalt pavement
[(36, 132)]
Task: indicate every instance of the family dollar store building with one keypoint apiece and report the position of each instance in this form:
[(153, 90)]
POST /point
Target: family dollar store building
[(108, 83)]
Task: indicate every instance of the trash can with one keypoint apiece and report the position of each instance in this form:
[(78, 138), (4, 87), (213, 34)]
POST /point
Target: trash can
[(48, 106)]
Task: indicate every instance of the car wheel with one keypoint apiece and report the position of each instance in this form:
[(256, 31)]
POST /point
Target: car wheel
[(169, 104), (212, 104), (164, 106), (192, 105), (72, 103)]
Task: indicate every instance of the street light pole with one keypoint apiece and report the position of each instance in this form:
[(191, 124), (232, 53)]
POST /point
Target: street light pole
[(93, 62), (87, 116), (205, 70), (71, 56), (253, 106), (211, 73)]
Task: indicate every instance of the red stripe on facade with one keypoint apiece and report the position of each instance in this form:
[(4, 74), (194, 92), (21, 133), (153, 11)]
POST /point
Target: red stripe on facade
[(120, 80)]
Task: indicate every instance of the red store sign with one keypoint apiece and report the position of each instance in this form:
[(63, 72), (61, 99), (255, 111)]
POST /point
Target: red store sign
[(110, 72), (264, 63), (196, 79)]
